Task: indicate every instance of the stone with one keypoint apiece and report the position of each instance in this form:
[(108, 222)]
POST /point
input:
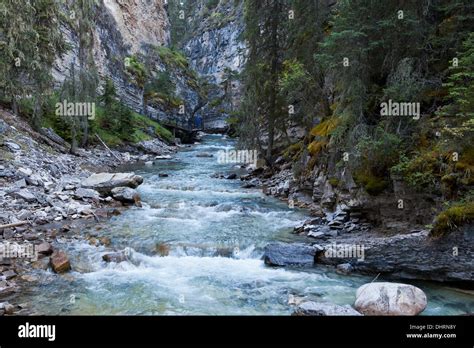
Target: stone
[(232, 176), (25, 195), (9, 308), (83, 193), (316, 234), (324, 309), (13, 147), (24, 172), (20, 183), (163, 175), (105, 182), (163, 157), (204, 155), (344, 268), (114, 257), (34, 180), (383, 298), (125, 195), (60, 262), (41, 264), (44, 248), (29, 278), (149, 163), (9, 274), (289, 254)]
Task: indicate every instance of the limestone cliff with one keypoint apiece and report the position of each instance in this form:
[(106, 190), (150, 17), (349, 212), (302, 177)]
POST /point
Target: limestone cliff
[(131, 28), (215, 48)]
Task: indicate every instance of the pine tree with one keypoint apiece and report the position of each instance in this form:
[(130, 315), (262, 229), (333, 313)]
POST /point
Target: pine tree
[(88, 80), (262, 107), (18, 55)]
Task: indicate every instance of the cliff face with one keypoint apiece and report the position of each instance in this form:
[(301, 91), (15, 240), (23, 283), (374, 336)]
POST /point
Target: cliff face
[(216, 45), (140, 22), (216, 50), (124, 29)]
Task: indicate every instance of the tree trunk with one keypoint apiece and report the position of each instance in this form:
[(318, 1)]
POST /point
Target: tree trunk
[(272, 114), (15, 106), (85, 131)]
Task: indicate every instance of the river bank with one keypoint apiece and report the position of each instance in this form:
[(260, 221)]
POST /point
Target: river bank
[(343, 222), (44, 196)]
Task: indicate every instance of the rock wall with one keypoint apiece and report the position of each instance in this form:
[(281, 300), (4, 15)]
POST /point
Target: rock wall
[(125, 28), (215, 48), (216, 45)]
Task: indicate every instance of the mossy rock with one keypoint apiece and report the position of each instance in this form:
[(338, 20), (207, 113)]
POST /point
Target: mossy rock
[(334, 182), (316, 147), (293, 150), (325, 128), (374, 185), (453, 218)]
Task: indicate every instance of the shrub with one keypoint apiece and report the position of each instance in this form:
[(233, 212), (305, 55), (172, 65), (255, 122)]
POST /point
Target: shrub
[(374, 185), (453, 218)]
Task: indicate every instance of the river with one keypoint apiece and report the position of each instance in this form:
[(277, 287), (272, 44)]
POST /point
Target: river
[(196, 247)]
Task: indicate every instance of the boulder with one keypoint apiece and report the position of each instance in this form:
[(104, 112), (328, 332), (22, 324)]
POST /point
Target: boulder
[(289, 254), (204, 155), (60, 262), (9, 274), (25, 195), (125, 195), (83, 193), (114, 257), (390, 299), (24, 172), (105, 182), (44, 248), (344, 268), (323, 309)]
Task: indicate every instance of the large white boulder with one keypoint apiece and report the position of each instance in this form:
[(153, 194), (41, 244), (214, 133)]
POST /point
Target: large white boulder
[(390, 299), (105, 182)]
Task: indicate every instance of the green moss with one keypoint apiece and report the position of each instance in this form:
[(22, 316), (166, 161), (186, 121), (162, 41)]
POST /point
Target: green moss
[(372, 184), (316, 147), (143, 123), (216, 102), (420, 171), (293, 150), (109, 138), (453, 218), (334, 182), (137, 70), (325, 128), (172, 58)]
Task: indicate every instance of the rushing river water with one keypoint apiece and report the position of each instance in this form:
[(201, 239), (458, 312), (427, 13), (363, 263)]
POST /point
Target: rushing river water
[(197, 245)]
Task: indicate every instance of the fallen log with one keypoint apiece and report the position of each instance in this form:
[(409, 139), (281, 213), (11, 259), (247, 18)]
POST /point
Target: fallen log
[(107, 148), (14, 224)]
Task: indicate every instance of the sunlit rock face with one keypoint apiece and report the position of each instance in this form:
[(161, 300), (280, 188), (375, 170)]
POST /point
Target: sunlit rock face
[(140, 22), (123, 28)]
